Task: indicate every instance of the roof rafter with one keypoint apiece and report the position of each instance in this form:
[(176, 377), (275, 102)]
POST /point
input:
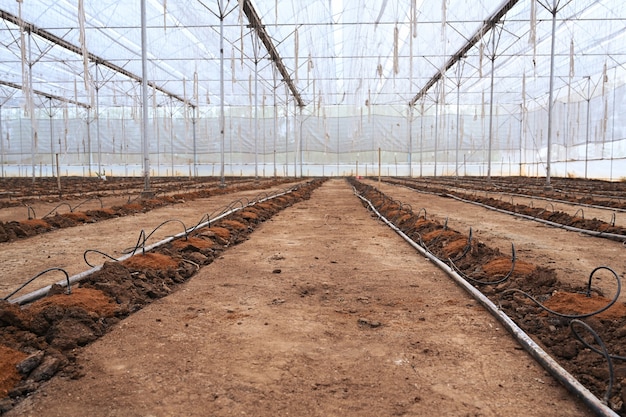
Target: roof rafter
[(259, 28), (480, 33), (77, 50), (47, 95)]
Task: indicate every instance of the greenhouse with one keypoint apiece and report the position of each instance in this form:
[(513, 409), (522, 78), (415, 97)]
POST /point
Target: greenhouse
[(312, 208), (313, 88)]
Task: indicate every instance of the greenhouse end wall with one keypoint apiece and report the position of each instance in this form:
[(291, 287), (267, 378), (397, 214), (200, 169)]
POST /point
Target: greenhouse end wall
[(322, 142)]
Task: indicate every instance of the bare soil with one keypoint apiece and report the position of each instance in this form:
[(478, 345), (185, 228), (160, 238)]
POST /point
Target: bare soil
[(321, 311)]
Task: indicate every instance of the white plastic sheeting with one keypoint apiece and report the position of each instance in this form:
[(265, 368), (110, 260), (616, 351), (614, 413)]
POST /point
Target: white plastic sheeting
[(356, 65)]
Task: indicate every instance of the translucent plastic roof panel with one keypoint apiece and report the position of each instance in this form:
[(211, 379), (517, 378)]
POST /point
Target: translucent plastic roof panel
[(338, 52)]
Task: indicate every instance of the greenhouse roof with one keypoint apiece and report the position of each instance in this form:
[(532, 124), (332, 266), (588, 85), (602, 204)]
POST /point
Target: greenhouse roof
[(320, 53)]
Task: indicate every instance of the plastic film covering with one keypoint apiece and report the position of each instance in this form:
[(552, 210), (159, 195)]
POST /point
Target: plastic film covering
[(70, 88)]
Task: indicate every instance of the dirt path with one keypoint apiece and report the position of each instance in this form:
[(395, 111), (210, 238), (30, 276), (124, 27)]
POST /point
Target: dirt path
[(572, 255), (322, 312)]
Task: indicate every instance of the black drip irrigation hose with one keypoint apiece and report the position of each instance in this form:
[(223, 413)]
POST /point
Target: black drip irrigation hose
[(30, 209), (599, 407), (604, 352), (55, 209), (549, 223), (67, 277), (88, 200), (141, 243), (496, 282), (413, 184), (575, 319), (41, 292), (534, 218), (98, 252)]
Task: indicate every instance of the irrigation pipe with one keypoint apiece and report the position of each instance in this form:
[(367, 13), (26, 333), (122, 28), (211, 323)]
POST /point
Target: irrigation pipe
[(548, 222), (42, 292), (545, 360), (533, 197)]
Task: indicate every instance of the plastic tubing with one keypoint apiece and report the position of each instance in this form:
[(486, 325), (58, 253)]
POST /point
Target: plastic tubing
[(545, 360), (548, 222), (35, 295)]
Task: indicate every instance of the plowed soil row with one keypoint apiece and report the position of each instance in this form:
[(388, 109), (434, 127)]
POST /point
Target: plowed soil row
[(574, 190), (41, 339), (63, 215), (486, 267), (543, 213), (322, 311)]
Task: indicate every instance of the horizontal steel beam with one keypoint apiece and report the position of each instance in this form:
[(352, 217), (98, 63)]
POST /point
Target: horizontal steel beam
[(480, 33)]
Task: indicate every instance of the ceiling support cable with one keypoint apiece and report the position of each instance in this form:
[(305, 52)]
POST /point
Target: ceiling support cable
[(29, 27), (259, 28), (480, 33)]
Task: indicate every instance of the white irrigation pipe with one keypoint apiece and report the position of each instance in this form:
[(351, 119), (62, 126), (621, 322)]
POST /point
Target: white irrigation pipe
[(527, 343), (548, 222), (35, 295), (525, 216)]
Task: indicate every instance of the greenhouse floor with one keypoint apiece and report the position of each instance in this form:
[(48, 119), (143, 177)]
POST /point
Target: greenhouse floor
[(321, 311)]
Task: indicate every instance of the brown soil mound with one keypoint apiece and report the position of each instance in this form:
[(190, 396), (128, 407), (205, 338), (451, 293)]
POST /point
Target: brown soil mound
[(249, 214), (34, 223), (156, 261), (234, 224), (8, 373), (576, 303), (76, 216), (90, 300), (220, 232), (502, 266), (439, 234), (192, 241), (455, 246), (132, 207)]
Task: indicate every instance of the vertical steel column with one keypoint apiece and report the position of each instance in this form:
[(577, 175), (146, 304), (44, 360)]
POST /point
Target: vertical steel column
[(612, 131), (436, 131), (144, 98), (458, 129), (493, 65), (550, 99), (194, 116), (31, 106), (521, 135), (588, 123), (256, 116), (97, 117), (286, 131), (172, 137), (1, 146), (421, 138), (300, 138), (275, 120), (410, 140), (51, 136), (295, 139), (222, 119)]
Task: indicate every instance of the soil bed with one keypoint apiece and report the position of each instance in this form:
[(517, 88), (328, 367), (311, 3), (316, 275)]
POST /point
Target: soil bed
[(306, 317), (42, 338), (490, 271), (64, 215)]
